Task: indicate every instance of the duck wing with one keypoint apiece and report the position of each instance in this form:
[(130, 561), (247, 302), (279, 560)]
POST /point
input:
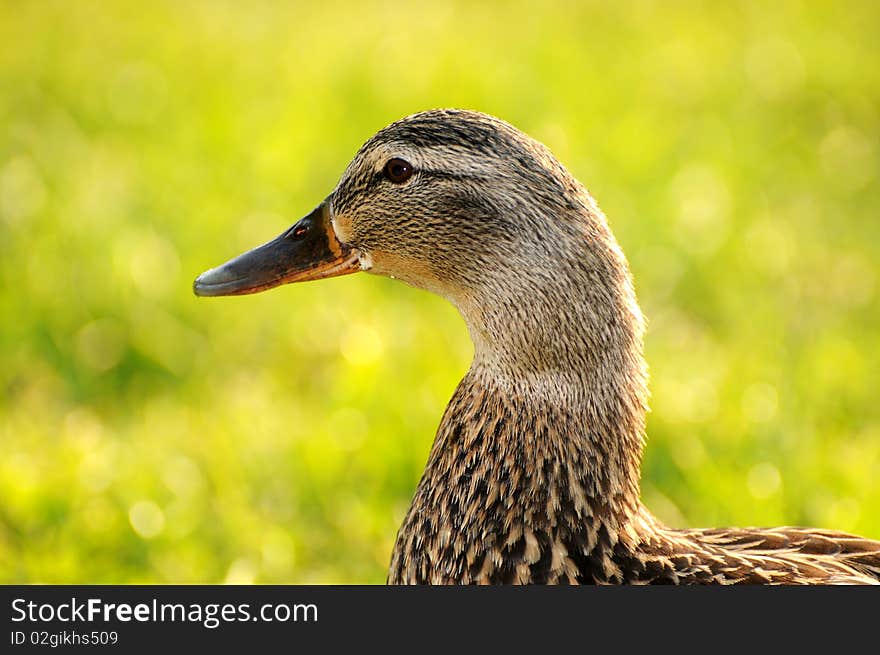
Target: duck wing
[(793, 555)]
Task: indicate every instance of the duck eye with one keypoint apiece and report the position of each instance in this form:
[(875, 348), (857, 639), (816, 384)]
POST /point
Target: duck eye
[(398, 170)]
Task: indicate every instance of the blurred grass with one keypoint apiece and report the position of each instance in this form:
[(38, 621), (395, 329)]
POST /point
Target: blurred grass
[(147, 436)]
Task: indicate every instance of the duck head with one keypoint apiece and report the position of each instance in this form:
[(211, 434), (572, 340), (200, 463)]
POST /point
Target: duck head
[(465, 205)]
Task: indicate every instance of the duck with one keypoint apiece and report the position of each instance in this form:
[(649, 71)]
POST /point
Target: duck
[(534, 473)]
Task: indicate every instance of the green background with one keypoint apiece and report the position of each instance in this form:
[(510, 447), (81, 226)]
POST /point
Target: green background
[(150, 436)]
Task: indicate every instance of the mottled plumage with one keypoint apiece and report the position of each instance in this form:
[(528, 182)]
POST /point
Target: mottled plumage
[(534, 473)]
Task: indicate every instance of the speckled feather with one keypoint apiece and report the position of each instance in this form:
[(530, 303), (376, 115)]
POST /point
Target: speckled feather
[(534, 473)]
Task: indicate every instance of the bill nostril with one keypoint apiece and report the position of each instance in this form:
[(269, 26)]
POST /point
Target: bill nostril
[(299, 231)]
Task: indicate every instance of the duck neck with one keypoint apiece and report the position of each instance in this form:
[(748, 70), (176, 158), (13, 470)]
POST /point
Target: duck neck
[(530, 479), (572, 439), (538, 453), (564, 353), (553, 406)]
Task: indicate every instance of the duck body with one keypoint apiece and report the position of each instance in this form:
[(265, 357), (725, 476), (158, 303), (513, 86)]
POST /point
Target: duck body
[(534, 472)]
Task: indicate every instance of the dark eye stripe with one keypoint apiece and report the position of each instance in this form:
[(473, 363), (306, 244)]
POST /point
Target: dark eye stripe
[(447, 175), (378, 178)]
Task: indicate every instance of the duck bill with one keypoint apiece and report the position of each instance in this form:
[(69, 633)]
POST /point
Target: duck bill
[(307, 251)]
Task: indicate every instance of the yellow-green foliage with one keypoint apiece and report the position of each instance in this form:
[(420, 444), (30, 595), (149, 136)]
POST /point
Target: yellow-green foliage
[(149, 436)]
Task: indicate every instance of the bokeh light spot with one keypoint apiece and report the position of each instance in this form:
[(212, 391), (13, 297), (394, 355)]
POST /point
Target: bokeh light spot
[(241, 571), (137, 93), (702, 199), (774, 67), (97, 470), (277, 552), (83, 428), (182, 476), (146, 518), (848, 157), (769, 246), (348, 427), (152, 262), (22, 192), (763, 480), (101, 344), (361, 345), (760, 402)]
